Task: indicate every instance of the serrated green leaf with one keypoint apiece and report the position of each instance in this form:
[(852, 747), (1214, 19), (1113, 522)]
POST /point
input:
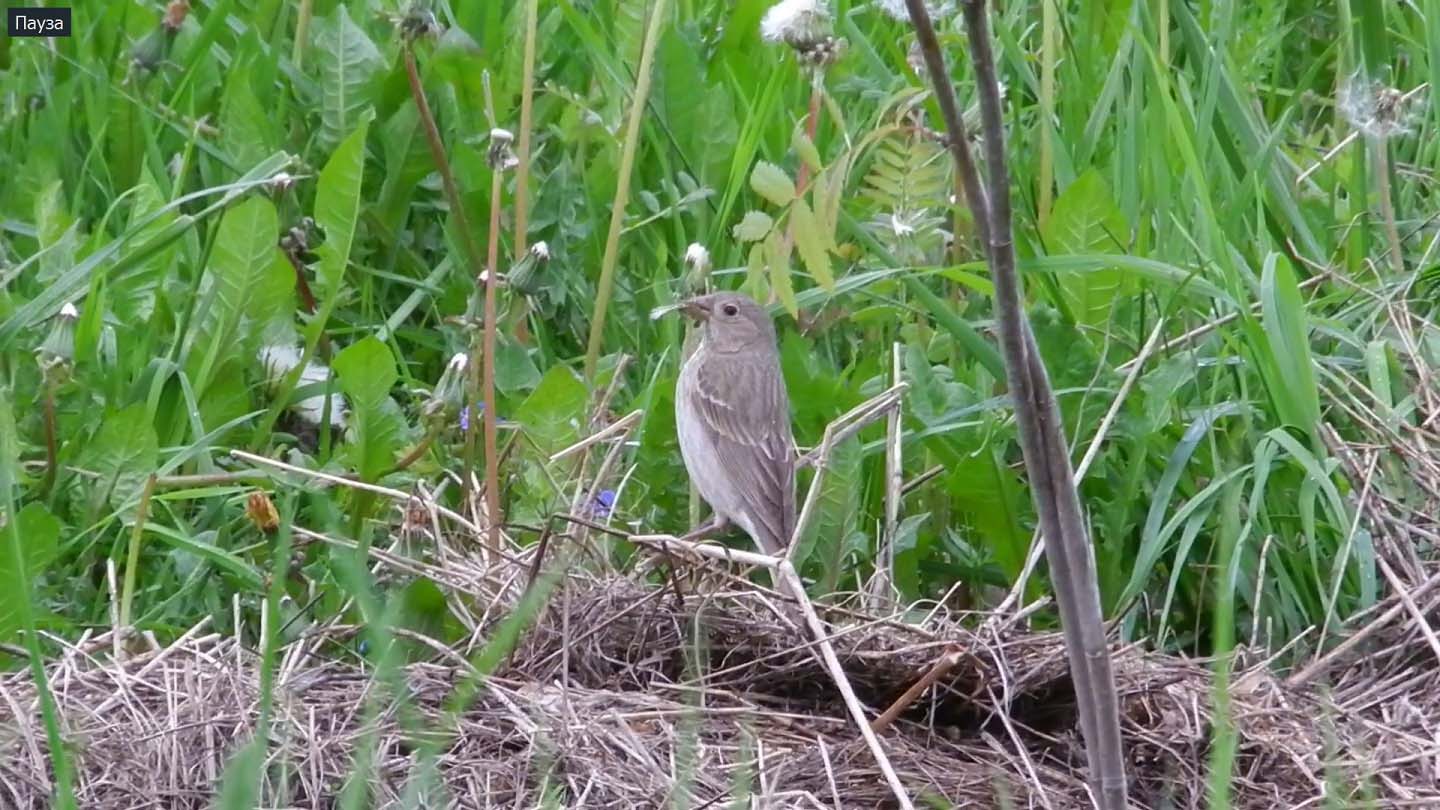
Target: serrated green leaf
[(810, 242), (337, 206), (805, 149), (772, 183), (1086, 220), (777, 256), (347, 60), (124, 453), (244, 252), (837, 512), (367, 373), (753, 227)]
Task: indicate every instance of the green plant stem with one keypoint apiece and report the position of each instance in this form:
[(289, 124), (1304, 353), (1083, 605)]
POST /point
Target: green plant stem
[(527, 98), (302, 28), (622, 190), (132, 557), (52, 445), (64, 793), (492, 458), (477, 267), (1048, 56), (521, 305)]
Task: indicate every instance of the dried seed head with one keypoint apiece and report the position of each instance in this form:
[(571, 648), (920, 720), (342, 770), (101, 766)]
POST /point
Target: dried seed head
[(281, 182), (797, 23), (824, 53), (175, 14), (898, 9), (697, 258), (419, 22), (501, 157), (540, 251), (449, 393), (1372, 108)]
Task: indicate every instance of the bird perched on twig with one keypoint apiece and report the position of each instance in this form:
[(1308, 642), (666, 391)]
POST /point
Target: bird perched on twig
[(732, 414)]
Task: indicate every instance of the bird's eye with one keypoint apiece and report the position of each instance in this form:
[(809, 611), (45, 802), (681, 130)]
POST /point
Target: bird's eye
[(730, 309)]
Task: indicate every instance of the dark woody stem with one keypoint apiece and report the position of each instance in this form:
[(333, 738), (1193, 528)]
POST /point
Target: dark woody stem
[(1042, 440)]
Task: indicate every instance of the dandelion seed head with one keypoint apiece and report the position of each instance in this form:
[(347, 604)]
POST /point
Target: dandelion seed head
[(69, 312), (697, 257), (280, 359), (541, 251), (797, 23), (1375, 110)]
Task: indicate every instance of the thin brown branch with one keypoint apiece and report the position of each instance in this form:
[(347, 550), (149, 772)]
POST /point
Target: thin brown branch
[(1041, 434)]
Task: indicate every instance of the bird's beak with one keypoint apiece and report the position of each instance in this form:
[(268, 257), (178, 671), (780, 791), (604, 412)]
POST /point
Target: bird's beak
[(696, 308)]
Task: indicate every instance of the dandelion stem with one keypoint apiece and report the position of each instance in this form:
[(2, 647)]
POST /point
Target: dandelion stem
[(812, 124), (52, 452), (477, 266), (1387, 205), (622, 189)]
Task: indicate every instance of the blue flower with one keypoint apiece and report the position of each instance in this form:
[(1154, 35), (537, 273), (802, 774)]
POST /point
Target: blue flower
[(604, 502), (465, 415)]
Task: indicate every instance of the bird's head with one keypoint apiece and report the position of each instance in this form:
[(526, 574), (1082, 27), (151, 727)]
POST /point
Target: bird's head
[(732, 321)]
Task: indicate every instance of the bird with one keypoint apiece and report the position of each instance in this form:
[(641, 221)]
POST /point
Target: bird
[(732, 417)]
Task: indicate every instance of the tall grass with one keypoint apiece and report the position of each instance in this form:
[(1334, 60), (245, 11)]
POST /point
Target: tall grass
[(1171, 163)]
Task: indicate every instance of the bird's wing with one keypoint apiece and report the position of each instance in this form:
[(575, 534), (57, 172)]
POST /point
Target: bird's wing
[(746, 411)]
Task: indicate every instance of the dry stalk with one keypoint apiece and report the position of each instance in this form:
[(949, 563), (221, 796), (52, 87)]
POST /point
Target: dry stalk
[(785, 572), (1042, 439)]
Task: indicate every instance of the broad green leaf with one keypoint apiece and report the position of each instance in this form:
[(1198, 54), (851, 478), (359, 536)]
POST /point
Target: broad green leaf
[(1157, 531), (231, 563), (811, 244), (1086, 220), (514, 370), (246, 131), (772, 183), (134, 300), (74, 280), (992, 497), (39, 534), (244, 252), (124, 453), (753, 227), (1288, 330), (549, 413), (909, 549), (836, 515), (777, 256), (347, 60), (367, 373), (337, 206)]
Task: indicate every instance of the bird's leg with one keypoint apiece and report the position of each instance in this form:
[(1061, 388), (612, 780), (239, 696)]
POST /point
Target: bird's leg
[(713, 526)]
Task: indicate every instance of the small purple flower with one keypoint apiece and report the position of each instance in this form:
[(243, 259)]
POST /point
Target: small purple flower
[(465, 415), (604, 502)]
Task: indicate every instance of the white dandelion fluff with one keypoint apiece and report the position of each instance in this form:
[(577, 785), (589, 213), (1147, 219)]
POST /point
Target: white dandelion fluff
[(697, 257), (798, 23), (1372, 108), (279, 360)]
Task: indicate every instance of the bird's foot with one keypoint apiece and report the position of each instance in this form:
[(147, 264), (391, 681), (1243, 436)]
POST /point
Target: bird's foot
[(712, 527)]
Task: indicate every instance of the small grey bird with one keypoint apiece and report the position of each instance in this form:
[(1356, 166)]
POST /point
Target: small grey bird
[(732, 415)]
